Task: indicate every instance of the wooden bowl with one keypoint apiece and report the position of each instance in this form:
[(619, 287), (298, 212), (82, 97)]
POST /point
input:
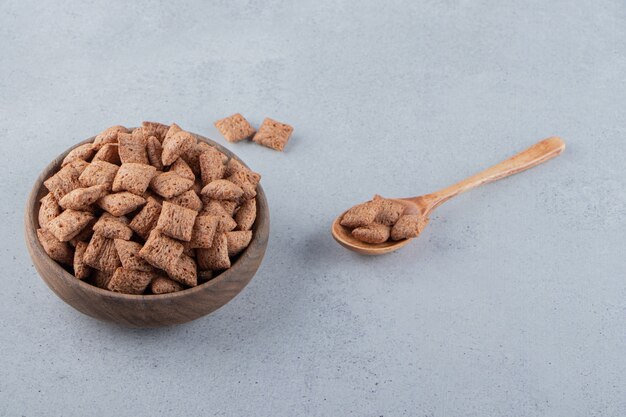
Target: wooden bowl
[(145, 310)]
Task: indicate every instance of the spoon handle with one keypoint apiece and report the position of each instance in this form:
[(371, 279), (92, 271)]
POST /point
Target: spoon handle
[(538, 153)]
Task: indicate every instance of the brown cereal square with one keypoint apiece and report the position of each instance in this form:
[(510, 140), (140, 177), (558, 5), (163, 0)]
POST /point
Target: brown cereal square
[(68, 224), (176, 221), (182, 168), (129, 281), (158, 130), (170, 184), (128, 252), (63, 181), (222, 190), (109, 135), (273, 134), (408, 226), (184, 270), (238, 241), (154, 150), (82, 152), (215, 257), (176, 145), (147, 218), (214, 208), (113, 227), (85, 234), (372, 233), (204, 231), (132, 147), (389, 211), (101, 254), (161, 251), (133, 177), (163, 285), (211, 165), (360, 215), (98, 172), (83, 198), (241, 179), (171, 131), (246, 215), (81, 269), (188, 199), (108, 153), (235, 128), (48, 210), (119, 204), (59, 251)]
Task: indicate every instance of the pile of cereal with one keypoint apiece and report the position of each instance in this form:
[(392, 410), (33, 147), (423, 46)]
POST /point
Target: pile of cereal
[(147, 211), (381, 219), (272, 134)]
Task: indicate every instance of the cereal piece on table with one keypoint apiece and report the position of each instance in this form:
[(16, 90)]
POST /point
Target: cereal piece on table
[(81, 269), (163, 285), (133, 177), (113, 227), (101, 278), (238, 241), (82, 152), (128, 281), (222, 190), (389, 211), (241, 180), (119, 204), (407, 226), (176, 221), (235, 128), (161, 251), (109, 135), (184, 270), (373, 233), (360, 215), (170, 184), (158, 130), (108, 153), (68, 224), (204, 231), (246, 215), (98, 172), (215, 257), (101, 254), (176, 145), (211, 166), (85, 234), (205, 276), (48, 210), (154, 150), (188, 199), (132, 147), (82, 198), (146, 219), (63, 181), (182, 168), (273, 134), (214, 208), (58, 251)]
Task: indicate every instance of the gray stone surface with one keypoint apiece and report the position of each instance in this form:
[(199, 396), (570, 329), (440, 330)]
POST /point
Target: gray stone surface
[(513, 301)]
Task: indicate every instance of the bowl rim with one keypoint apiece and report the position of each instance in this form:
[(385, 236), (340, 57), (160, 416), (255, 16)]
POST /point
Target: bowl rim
[(31, 218)]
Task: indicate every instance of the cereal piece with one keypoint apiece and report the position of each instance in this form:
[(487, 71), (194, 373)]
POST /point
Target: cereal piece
[(188, 199), (146, 219), (58, 251), (389, 211), (128, 281), (171, 131), (188, 250), (407, 226), (82, 152), (85, 234), (214, 208), (246, 215), (68, 224), (63, 181), (230, 207), (161, 251), (154, 150), (233, 166), (108, 153), (79, 165), (241, 180), (176, 145), (373, 233), (170, 184), (205, 276), (163, 285), (119, 204), (235, 128), (133, 177), (238, 241), (176, 221), (158, 130), (113, 227), (81, 269), (101, 254), (360, 215), (98, 172), (132, 147), (211, 166), (82, 198), (109, 135), (197, 187), (204, 231), (48, 210), (215, 257), (184, 271), (192, 156), (222, 190), (101, 278), (182, 168), (273, 134), (128, 252)]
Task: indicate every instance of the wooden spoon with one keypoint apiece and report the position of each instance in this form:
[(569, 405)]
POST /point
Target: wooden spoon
[(425, 204)]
